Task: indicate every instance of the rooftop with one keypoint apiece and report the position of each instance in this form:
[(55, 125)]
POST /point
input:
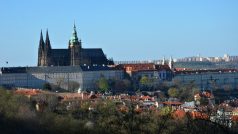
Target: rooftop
[(54, 69)]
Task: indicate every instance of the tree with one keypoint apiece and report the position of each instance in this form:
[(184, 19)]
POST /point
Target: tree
[(103, 84), (144, 82), (122, 85), (204, 101), (47, 86), (52, 102), (73, 86), (173, 92)]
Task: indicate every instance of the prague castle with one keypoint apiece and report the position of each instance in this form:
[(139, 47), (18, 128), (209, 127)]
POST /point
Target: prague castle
[(75, 55), (62, 67)]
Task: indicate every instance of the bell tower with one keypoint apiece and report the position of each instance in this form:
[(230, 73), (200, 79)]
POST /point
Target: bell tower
[(75, 48)]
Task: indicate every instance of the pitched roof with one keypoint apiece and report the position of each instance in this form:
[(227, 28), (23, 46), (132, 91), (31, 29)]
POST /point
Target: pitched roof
[(162, 67), (56, 53), (93, 52), (179, 114), (97, 68)]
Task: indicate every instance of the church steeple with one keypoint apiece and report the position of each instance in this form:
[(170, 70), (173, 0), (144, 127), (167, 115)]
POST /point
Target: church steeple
[(74, 38), (41, 50), (41, 43), (47, 41), (75, 48)]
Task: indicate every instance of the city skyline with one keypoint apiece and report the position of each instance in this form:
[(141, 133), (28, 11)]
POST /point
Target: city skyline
[(134, 30)]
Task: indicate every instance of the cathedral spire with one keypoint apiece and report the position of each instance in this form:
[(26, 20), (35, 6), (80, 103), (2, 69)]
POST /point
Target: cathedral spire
[(41, 39), (74, 37), (74, 26), (41, 42), (47, 40), (47, 34), (41, 49)]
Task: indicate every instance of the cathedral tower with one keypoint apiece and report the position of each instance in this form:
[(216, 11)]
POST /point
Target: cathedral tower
[(44, 51), (74, 55), (41, 51), (75, 49), (48, 58)]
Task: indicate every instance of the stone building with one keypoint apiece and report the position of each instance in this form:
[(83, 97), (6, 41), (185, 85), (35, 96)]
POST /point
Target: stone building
[(73, 56), (62, 76), (207, 79)]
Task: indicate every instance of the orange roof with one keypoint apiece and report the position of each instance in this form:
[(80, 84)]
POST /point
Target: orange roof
[(204, 94), (27, 91), (138, 110), (123, 109), (235, 110), (138, 67), (199, 115), (207, 94), (134, 97), (145, 97), (179, 114), (234, 118)]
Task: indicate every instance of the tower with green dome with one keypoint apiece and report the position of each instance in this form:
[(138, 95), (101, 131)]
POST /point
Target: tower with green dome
[(74, 38), (75, 48)]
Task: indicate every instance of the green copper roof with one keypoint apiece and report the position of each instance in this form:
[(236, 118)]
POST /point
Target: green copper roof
[(74, 37)]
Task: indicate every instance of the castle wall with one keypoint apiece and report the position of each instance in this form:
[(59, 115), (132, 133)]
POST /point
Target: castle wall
[(36, 77)]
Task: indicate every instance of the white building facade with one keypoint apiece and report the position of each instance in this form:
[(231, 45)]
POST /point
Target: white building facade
[(209, 79), (62, 76)]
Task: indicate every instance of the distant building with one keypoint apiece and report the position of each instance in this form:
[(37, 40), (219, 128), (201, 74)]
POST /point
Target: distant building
[(229, 58), (62, 76), (206, 79), (155, 73), (225, 58), (75, 55)]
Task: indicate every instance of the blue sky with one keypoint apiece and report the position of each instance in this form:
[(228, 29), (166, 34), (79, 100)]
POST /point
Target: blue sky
[(125, 29)]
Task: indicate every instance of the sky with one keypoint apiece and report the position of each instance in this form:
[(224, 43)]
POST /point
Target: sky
[(124, 29)]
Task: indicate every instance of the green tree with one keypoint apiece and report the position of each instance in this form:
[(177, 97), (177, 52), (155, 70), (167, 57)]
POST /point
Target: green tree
[(166, 111), (122, 85), (144, 80), (103, 84), (204, 101), (173, 92), (73, 86), (145, 83), (47, 86)]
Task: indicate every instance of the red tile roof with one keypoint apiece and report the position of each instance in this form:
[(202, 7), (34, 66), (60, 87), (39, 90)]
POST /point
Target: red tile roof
[(179, 114), (199, 115), (28, 91)]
